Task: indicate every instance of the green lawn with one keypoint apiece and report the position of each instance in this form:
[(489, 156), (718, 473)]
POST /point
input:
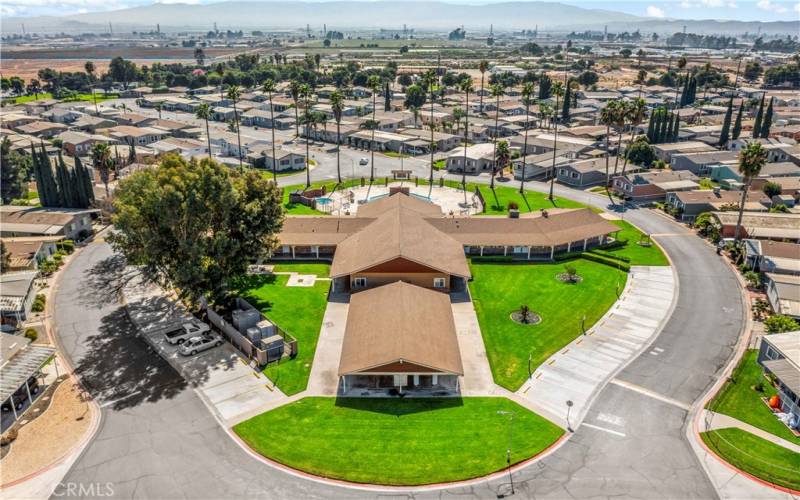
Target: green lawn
[(639, 255), (498, 289), (46, 95), (397, 441), (756, 456), (297, 310), (738, 399)]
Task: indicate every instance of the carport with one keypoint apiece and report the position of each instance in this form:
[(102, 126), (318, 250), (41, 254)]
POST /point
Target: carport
[(20, 361)]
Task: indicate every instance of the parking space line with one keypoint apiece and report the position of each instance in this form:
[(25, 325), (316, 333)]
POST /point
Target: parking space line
[(649, 393), (603, 429)]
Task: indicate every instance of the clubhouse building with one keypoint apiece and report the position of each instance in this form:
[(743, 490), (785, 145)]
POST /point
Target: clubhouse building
[(396, 257)]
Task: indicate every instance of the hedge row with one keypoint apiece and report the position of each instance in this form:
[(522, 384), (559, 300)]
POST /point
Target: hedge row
[(610, 255), (623, 266)]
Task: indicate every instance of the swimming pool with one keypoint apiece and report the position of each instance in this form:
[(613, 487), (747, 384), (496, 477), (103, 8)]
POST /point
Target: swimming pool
[(324, 201), (420, 197)]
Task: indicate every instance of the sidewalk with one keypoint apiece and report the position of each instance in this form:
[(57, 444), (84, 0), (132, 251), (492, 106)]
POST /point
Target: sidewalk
[(324, 379), (220, 376), (578, 371), (721, 421)]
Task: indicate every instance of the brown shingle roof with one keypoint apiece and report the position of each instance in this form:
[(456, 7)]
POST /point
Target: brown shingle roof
[(298, 230), (554, 230), (381, 331), (399, 232), (780, 249)]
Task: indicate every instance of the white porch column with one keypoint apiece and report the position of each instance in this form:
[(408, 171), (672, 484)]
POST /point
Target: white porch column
[(293, 251), (317, 252), (435, 379), (584, 244), (344, 384), (505, 251), (481, 251), (552, 252), (529, 253), (569, 246), (416, 380)]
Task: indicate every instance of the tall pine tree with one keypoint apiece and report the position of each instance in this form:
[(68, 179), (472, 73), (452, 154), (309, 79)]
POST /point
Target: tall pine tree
[(737, 125), (650, 127), (767, 122), (759, 118), (565, 106), (726, 125), (675, 128), (45, 182)]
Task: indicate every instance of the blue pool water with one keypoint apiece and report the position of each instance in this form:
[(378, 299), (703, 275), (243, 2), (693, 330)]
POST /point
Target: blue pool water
[(324, 201), (421, 197)]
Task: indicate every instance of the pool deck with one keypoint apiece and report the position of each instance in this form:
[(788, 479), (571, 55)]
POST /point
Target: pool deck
[(451, 200)]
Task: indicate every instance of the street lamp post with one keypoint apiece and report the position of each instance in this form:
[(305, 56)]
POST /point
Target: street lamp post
[(569, 406), (508, 449)]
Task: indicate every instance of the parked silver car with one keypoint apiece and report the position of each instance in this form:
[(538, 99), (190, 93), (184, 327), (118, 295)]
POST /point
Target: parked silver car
[(185, 331), (200, 343)]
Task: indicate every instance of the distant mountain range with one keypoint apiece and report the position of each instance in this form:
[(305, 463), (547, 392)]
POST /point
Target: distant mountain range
[(346, 15)]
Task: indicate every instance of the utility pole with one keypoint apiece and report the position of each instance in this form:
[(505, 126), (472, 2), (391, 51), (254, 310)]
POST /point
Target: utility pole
[(508, 449)]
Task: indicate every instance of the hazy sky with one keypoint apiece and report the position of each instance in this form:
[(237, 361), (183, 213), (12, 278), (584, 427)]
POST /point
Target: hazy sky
[(761, 10)]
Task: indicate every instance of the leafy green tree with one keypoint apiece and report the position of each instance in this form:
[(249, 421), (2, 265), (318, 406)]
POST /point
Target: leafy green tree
[(194, 225), (637, 110), (415, 96), (5, 258), (639, 152), (66, 195), (772, 189), (13, 173), (751, 160), (779, 323), (45, 181)]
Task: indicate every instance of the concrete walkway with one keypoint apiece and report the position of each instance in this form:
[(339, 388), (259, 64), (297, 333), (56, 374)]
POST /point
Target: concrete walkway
[(721, 421), (477, 379), (577, 372), (324, 379)]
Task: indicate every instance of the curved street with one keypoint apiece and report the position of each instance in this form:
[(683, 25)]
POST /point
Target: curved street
[(157, 439)]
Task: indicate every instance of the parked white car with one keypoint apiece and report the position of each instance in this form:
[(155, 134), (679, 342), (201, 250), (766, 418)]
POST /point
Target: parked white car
[(200, 343), (186, 331), (363, 161)]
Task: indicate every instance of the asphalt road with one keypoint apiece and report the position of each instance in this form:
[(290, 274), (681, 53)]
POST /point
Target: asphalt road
[(157, 440)]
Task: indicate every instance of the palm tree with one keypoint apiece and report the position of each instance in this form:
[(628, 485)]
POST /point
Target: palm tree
[(159, 107), (374, 83), (502, 155), (527, 92), (621, 117), (466, 87), (308, 120), (294, 90), (497, 91), (102, 161), (608, 117), (458, 114), (204, 112), (337, 107), (234, 94), (483, 67), (432, 126), (268, 87), (751, 159), (429, 80), (545, 112), (558, 91), (636, 113)]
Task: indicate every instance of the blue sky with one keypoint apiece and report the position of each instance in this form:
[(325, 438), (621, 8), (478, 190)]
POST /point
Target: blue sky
[(753, 10)]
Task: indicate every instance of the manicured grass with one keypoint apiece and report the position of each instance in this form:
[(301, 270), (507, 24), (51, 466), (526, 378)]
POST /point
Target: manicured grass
[(267, 173), (639, 255), (320, 269), (756, 456), (498, 289), (397, 441), (739, 400), (298, 311), (46, 95)]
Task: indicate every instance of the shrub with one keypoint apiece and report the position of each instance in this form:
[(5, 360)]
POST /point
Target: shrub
[(31, 333), (753, 279), (9, 437), (513, 205), (622, 266), (779, 323), (610, 255), (493, 258), (39, 303), (67, 246), (48, 267)]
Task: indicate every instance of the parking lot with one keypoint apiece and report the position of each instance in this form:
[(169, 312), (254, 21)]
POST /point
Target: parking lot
[(220, 375)]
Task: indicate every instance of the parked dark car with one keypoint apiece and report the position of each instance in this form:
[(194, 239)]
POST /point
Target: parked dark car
[(21, 395)]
